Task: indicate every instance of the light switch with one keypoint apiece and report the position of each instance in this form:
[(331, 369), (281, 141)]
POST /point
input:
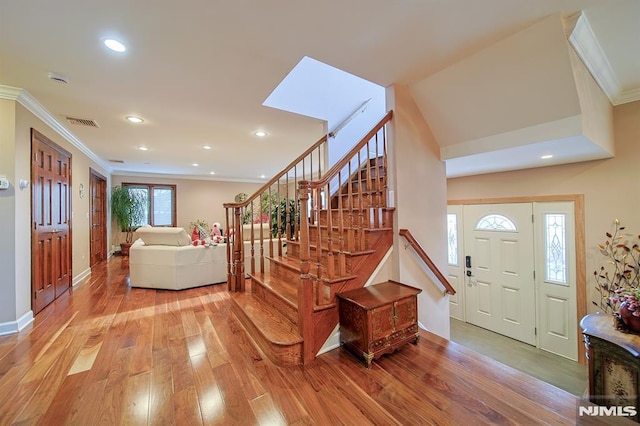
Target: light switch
[(4, 182)]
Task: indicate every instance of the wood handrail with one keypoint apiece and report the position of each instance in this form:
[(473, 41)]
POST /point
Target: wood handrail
[(427, 260), (333, 171), (277, 177)]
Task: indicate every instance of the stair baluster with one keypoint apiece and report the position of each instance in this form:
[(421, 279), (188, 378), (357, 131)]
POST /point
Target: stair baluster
[(336, 228)]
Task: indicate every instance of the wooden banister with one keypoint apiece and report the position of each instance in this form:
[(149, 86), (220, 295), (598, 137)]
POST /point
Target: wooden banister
[(346, 159), (427, 260)]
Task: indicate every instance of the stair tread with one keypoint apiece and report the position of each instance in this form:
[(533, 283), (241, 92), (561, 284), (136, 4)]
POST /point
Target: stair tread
[(285, 290), (273, 325)]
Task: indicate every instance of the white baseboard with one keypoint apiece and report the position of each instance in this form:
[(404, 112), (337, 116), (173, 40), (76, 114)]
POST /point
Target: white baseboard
[(81, 276), (15, 326)]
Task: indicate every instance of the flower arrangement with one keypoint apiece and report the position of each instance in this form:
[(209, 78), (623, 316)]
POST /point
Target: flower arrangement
[(619, 282)]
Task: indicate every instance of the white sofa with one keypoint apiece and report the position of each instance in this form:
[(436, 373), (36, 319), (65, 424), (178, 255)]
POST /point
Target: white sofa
[(164, 258)]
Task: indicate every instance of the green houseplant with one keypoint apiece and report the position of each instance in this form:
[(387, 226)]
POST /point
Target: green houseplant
[(128, 210)]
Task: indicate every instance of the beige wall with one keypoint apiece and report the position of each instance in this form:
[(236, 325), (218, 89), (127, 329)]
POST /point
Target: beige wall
[(9, 259), (521, 81), (15, 206), (609, 187), (196, 199), (418, 178)]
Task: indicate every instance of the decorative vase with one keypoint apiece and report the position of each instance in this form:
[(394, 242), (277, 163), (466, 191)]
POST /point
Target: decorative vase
[(631, 321)]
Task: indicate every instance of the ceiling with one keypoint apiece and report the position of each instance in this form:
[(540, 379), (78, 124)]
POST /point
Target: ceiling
[(198, 72)]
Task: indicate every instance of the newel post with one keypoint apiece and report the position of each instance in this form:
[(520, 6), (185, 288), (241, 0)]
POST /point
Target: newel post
[(305, 286), (238, 252)]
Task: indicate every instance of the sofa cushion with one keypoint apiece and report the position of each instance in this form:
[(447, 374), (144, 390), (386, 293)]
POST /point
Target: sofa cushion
[(164, 236)]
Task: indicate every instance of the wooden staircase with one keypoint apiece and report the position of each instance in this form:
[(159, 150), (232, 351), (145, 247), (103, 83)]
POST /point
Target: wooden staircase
[(287, 304)]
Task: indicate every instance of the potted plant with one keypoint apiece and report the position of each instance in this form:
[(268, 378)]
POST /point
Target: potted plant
[(128, 209), (619, 281)]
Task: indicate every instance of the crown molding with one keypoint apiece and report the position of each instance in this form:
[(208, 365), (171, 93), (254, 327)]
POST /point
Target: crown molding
[(25, 99), (628, 96), (586, 45), (10, 93)]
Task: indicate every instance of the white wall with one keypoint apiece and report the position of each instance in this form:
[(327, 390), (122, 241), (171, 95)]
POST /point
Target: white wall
[(418, 176)]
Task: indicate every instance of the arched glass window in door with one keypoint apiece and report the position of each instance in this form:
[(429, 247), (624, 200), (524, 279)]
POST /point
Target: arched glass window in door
[(496, 222)]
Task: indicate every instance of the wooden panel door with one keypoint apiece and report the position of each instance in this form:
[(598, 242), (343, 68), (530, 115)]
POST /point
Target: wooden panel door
[(97, 218), (51, 218)]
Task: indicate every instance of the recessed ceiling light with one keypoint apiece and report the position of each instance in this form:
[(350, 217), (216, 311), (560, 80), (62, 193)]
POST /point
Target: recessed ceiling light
[(134, 119), (143, 148), (212, 173), (195, 164), (261, 133), (114, 45), (206, 147), (546, 157), (262, 176)]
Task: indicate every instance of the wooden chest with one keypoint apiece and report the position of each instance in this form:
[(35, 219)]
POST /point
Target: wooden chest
[(377, 320)]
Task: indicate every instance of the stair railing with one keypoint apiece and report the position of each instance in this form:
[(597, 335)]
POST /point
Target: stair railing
[(427, 260), (276, 207), (338, 210)]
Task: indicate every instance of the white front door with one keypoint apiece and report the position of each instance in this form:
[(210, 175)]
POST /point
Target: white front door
[(498, 246), (555, 278)]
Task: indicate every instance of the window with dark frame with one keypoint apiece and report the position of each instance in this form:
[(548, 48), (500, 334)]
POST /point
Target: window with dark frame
[(161, 203)]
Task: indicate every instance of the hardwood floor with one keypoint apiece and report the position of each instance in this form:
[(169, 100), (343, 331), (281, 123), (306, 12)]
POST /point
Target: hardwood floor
[(111, 354)]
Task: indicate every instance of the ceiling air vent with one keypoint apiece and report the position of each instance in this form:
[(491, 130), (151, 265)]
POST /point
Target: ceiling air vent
[(81, 122), (116, 161)]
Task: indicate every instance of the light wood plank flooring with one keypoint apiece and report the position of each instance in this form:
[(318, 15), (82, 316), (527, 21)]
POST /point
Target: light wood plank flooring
[(110, 354)]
